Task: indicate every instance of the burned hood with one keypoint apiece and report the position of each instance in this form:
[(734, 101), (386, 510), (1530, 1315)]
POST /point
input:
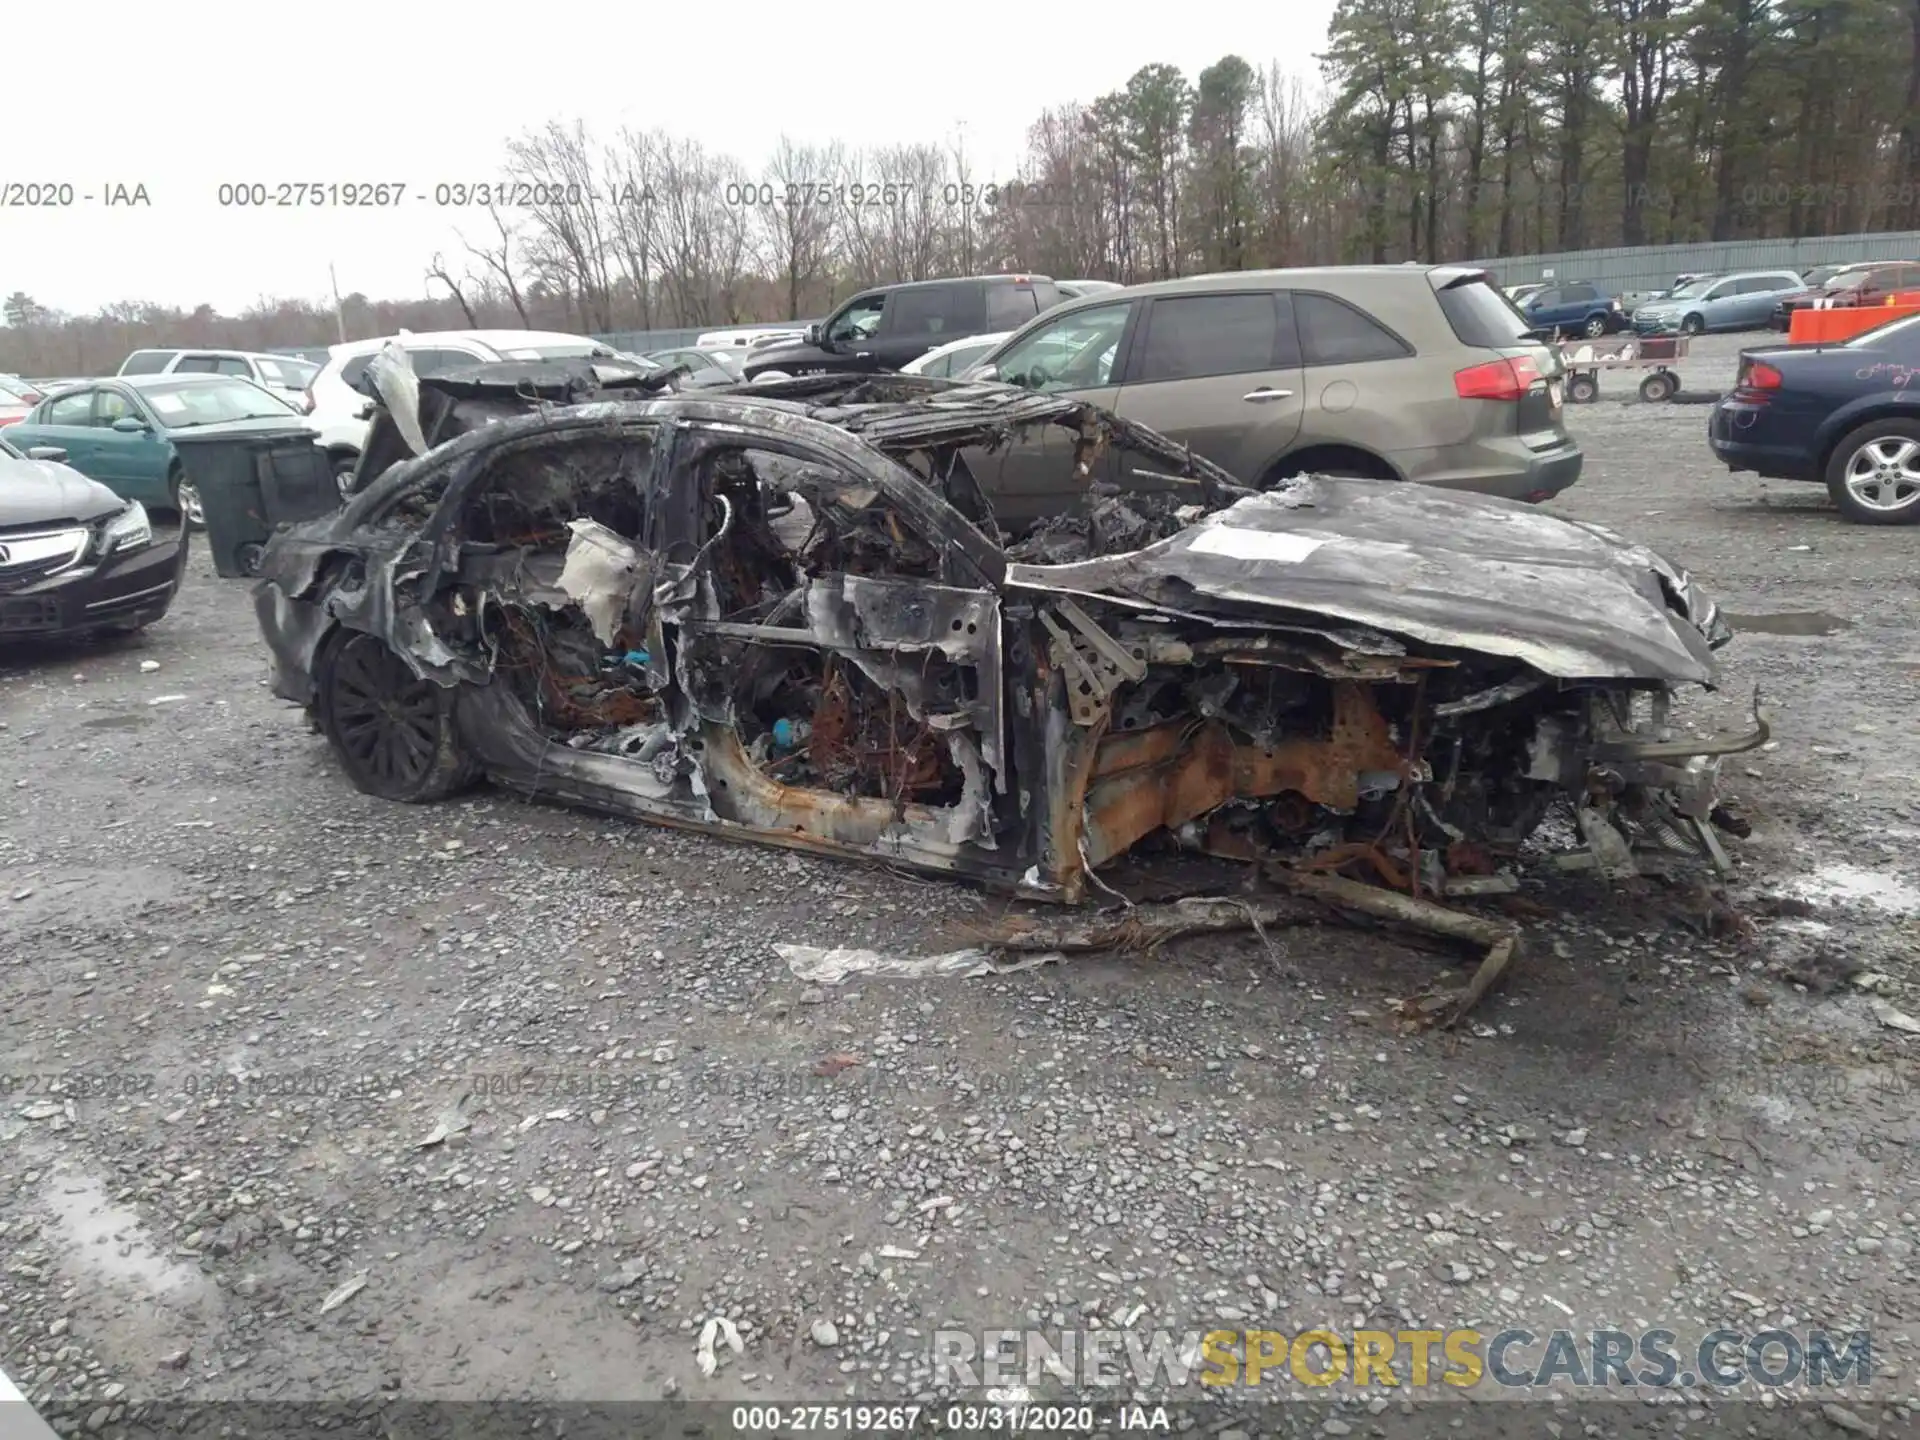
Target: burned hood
[(1498, 577)]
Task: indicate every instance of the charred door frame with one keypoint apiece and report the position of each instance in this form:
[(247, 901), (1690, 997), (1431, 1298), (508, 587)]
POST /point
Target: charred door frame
[(873, 622)]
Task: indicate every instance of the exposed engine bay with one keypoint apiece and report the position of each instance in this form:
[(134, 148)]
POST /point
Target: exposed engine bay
[(788, 613)]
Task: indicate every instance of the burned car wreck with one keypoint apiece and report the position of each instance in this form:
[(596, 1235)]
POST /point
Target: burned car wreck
[(786, 614)]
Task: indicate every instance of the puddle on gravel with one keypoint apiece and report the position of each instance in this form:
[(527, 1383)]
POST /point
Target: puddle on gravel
[(1870, 887), (1787, 622), (111, 1238)]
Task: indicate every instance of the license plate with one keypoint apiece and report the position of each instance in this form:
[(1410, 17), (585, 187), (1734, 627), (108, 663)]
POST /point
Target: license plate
[(1553, 393)]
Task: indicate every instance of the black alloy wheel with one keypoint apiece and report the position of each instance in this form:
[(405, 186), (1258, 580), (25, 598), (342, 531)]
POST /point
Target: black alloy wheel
[(392, 731)]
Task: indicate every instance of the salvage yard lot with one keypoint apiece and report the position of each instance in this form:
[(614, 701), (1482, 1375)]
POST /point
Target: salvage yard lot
[(273, 991)]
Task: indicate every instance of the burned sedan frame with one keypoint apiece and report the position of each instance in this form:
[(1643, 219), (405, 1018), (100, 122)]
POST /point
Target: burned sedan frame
[(778, 614)]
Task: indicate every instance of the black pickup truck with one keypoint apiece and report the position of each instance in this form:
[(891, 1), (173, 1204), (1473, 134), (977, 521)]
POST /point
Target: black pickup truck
[(890, 325)]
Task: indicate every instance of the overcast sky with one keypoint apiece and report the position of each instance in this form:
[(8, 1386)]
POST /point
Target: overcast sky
[(419, 94)]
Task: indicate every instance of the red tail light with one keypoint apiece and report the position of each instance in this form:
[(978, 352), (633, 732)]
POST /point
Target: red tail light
[(1761, 376), (1497, 379), (11, 419)]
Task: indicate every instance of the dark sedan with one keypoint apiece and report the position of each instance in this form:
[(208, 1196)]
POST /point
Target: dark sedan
[(1846, 416), (75, 558)]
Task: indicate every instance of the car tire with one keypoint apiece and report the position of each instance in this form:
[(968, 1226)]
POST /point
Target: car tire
[(1873, 474), (1595, 327), (392, 732), (1693, 325), (343, 468), (185, 500), (1582, 389), (1658, 386)]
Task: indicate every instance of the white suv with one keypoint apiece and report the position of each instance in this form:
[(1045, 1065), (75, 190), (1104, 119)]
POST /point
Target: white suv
[(339, 412), (287, 376)]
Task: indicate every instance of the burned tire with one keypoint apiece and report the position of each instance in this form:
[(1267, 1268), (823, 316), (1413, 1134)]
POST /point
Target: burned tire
[(392, 732), (1582, 389), (1658, 386), (1874, 473)]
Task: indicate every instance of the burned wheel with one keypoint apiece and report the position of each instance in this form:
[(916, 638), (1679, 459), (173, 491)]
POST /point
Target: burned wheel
[(392, 731)]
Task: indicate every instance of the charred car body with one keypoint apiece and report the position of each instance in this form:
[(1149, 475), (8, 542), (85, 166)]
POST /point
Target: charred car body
[(777, 614)]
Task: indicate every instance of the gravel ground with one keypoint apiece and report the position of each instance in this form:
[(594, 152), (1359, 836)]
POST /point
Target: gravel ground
[(264, 995)]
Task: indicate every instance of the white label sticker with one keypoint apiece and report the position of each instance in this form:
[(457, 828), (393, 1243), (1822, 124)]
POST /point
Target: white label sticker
[(1254, 544)]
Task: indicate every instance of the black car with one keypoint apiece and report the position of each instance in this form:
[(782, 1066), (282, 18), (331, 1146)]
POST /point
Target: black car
[(767, 614), (75, 558), (1844, 415), (890, 325)]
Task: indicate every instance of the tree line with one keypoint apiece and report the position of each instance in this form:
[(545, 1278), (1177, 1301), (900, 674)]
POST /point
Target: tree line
[(1441, 129)]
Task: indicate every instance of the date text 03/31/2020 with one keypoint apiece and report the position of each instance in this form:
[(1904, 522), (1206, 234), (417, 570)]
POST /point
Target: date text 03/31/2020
[(862, 194), (440, 195), (983, 1420)]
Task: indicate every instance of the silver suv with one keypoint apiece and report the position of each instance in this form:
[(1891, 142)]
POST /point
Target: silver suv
[(1396, 372)]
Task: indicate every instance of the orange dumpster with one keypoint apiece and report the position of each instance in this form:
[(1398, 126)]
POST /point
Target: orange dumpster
[(1816, 327)]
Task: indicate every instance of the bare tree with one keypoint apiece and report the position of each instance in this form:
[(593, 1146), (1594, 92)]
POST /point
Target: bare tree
[(632, 163), (702, 231), (911, 210), (569, 214), (962, 202), (497, 259), (438, 271), (794, 210)]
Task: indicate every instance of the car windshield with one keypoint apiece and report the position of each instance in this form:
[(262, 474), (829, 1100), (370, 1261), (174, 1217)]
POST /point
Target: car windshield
[(1077, 351), (1695, 287), (147, 362), (188, 403), (1852, 280), (294, 374), (13, 389), (967, 356)]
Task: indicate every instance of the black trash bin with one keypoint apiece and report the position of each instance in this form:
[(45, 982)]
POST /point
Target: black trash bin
[(252, 481)]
